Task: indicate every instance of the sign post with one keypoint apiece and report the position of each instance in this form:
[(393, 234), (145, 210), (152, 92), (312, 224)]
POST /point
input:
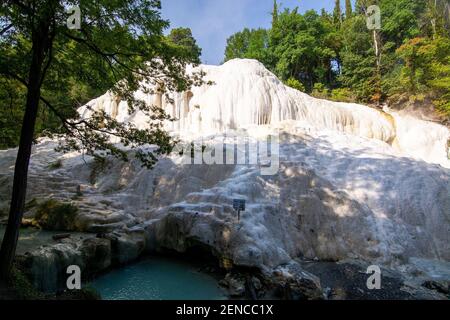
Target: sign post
[(239, 205)]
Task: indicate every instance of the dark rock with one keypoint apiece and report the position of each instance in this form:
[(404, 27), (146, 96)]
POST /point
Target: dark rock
[(327, 292), (235, 284), (440, 286), (61, 236), (96, 253), (256, 283), (250, 289), (292, 282), (127, 247), (47, 266)]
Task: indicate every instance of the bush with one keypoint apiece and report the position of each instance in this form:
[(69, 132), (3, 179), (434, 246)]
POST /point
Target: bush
[(443, 108), (320, 91), (342, 95), (55, 165), (54, 215), (295, 84)]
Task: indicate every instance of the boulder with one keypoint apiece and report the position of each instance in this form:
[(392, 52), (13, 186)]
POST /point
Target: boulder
[(126, 247), (440, 286), (47, 266), (96, 253), (295, 283), (235, 284)]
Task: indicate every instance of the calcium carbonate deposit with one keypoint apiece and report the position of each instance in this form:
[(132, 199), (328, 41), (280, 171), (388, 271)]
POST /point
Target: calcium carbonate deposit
[(352, 181)]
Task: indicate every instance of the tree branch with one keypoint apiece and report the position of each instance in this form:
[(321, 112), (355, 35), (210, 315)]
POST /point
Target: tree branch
[(6, 29)]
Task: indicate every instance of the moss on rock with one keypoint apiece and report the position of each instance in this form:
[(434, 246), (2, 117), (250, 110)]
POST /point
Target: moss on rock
[(20, 287)]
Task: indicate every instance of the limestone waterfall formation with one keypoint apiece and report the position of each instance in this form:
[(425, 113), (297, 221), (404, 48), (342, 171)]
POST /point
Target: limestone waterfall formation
[(245, 93), (353, 181)]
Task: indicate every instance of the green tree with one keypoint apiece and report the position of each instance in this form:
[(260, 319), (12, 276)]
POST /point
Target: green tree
[(274, 12), (358, 59), (183, 38), (415, 60), (371, 71), (320, 91), (11, 95), (337, 13), (436, 20), (119, 45), (302, 48), (348, 9), (349, 61), (400, 21), (248, 44), (426, 70)]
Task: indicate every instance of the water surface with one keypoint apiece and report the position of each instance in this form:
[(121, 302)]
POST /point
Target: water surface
[(158, 278)]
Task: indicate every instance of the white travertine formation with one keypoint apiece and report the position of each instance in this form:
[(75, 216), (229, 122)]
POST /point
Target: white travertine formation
[(245, 93), (354, 182)]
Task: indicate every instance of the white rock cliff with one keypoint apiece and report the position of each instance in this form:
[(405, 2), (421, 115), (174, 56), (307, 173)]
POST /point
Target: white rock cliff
[(353, 182)]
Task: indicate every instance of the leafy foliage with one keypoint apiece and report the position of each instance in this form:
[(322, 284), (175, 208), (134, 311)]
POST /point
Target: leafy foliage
[(120, 45), (249, 44), (302, 47), (183, 37), (426, 70), (294, 83)]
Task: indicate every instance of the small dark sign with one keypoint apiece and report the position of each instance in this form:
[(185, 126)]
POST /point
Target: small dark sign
[(239, 204)]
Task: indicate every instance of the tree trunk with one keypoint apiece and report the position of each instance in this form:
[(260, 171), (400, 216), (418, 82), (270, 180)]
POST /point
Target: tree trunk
[(377, 47), (9, 243)]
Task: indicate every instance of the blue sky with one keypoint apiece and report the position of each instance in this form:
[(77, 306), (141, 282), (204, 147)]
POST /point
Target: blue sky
[(213, 21)]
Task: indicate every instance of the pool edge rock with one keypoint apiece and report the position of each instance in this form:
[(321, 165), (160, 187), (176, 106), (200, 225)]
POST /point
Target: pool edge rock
[(47, 266)]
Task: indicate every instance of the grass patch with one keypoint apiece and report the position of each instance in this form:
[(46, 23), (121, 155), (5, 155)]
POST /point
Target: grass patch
[(55, 215), (55, 165)]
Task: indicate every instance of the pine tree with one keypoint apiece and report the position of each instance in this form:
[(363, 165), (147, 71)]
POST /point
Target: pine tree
[(183, 37), (274, 12), (348, 9), (360, 6), (337, 12)]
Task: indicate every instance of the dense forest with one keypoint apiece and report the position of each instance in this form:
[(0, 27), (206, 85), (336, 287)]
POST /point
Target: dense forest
[(334, 55)]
